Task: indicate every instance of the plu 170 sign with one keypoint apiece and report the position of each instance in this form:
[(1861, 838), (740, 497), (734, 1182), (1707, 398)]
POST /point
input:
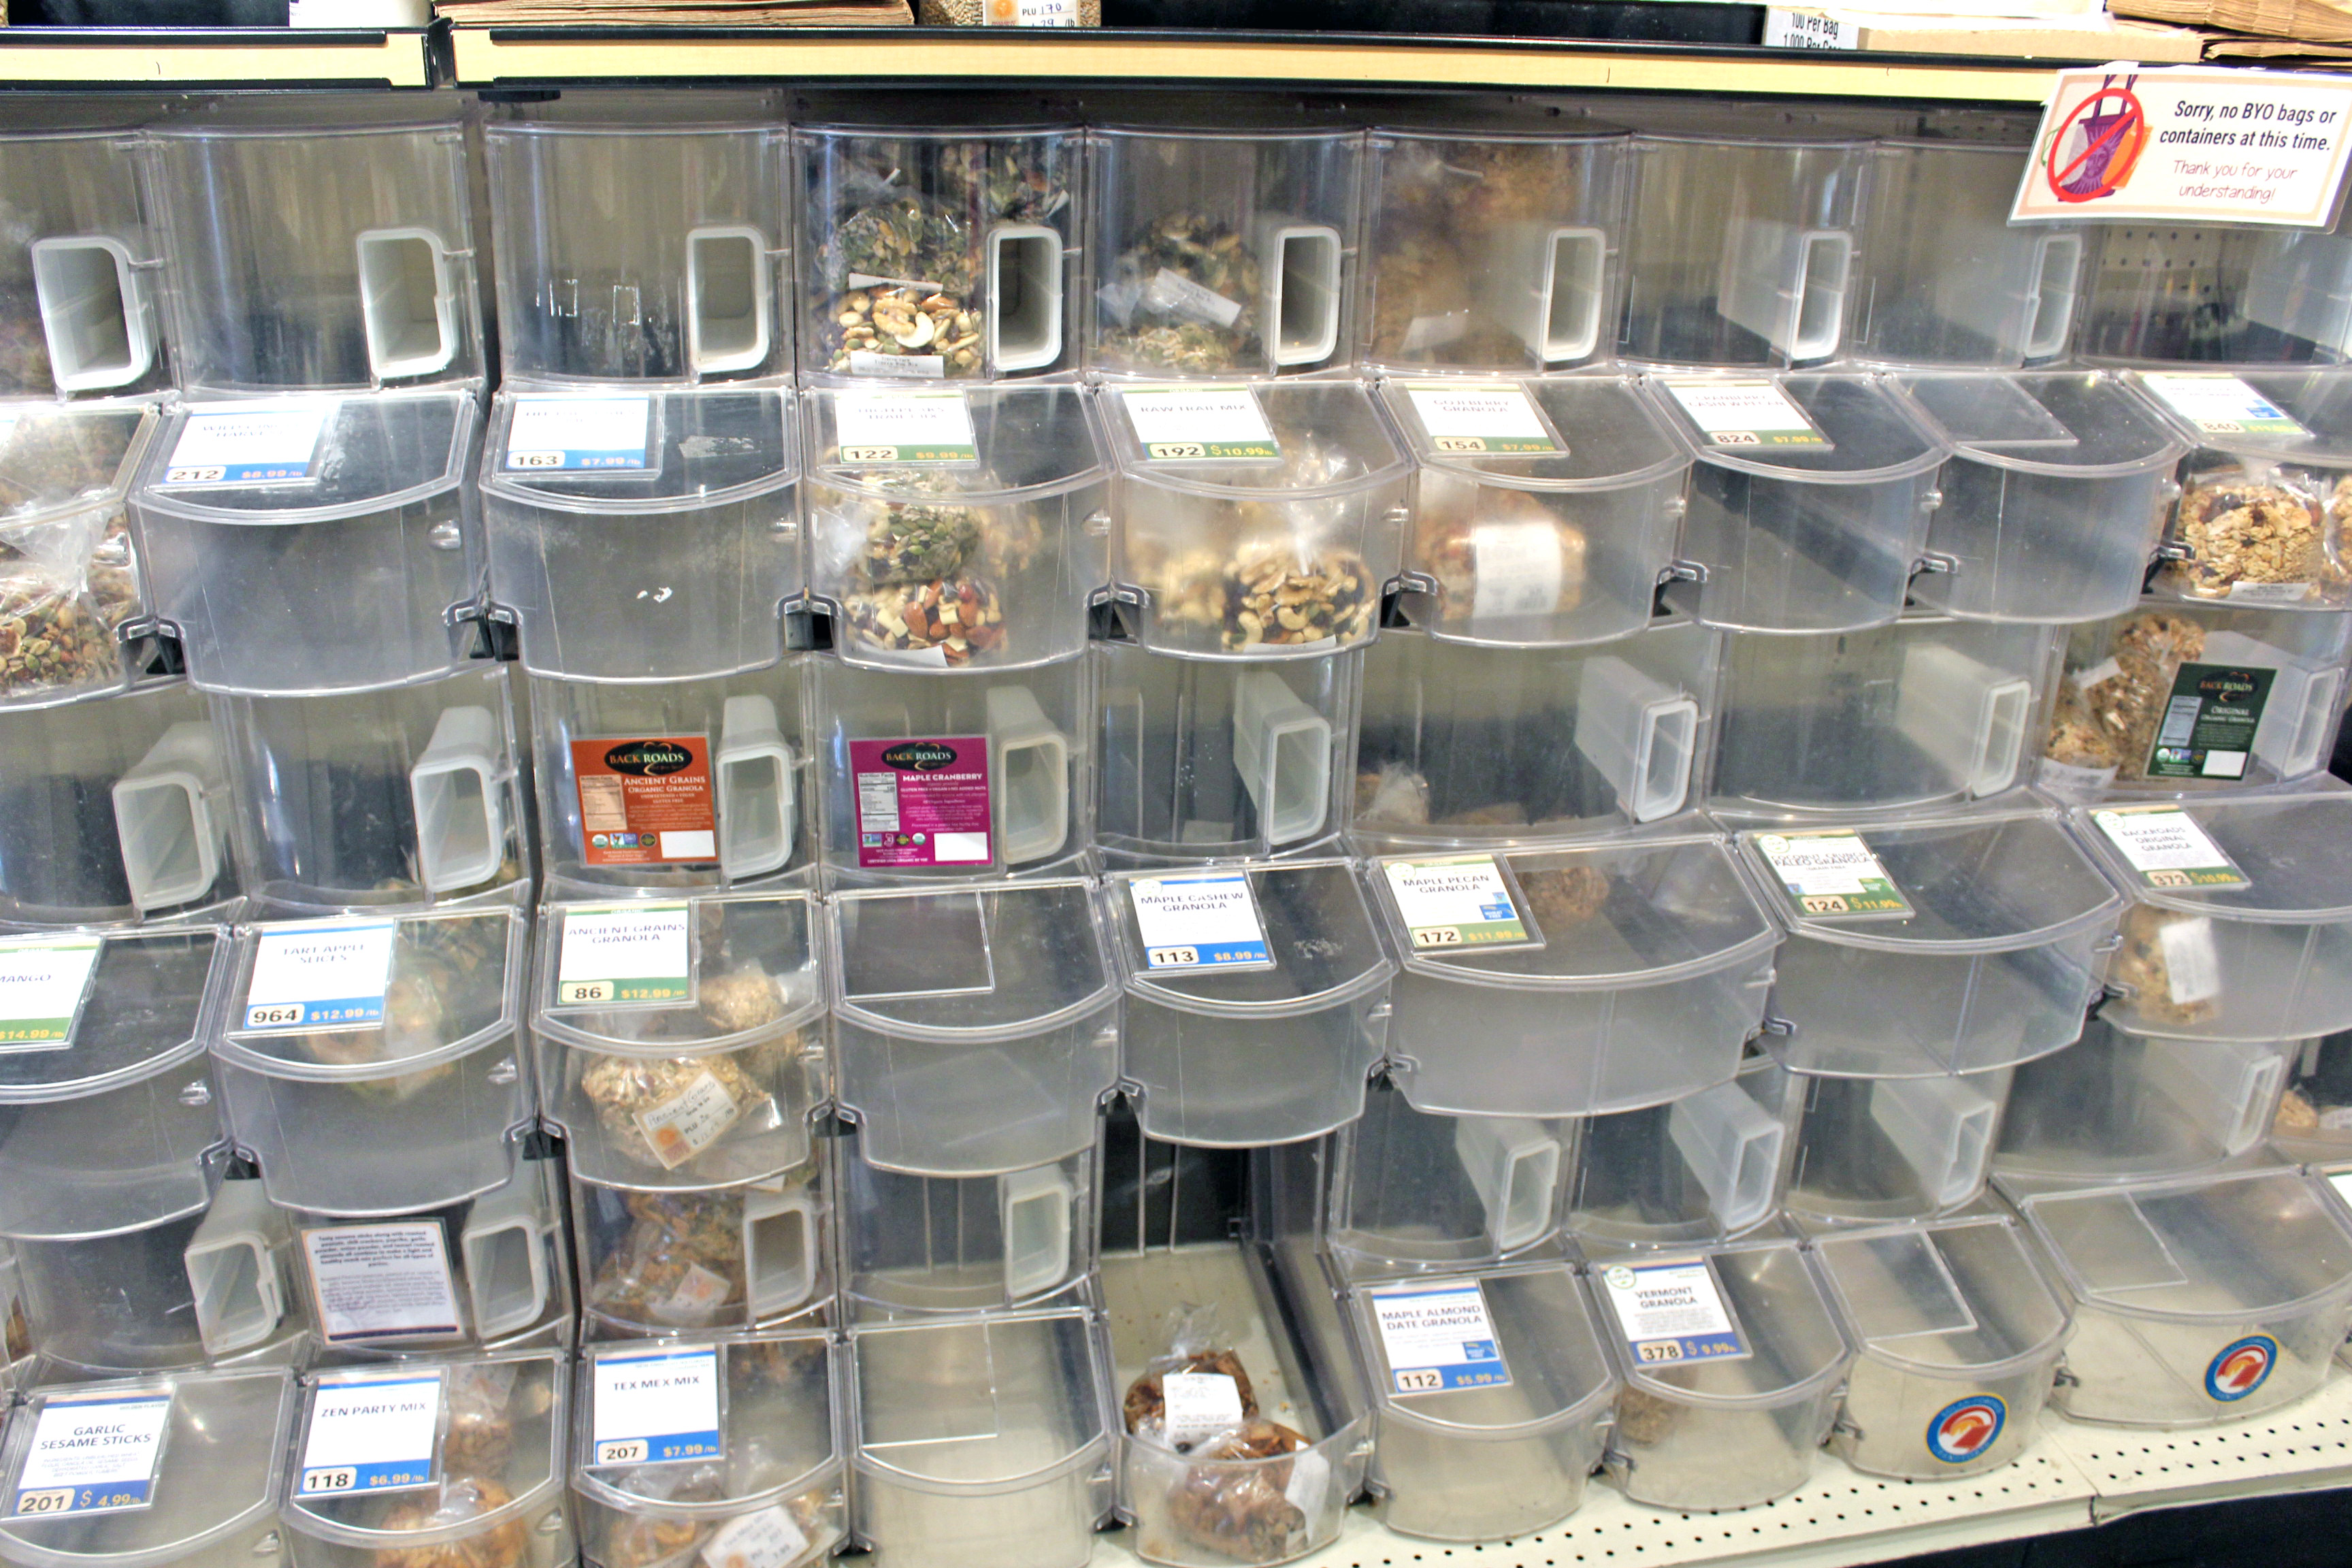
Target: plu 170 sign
[(2190, 144)]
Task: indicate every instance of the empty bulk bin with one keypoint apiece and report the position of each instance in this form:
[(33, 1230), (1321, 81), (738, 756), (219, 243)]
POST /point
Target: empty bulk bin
[(975, 1029), (667, 1260), (73, 579), (2122, 1106), (78, 298), (1712, 1165), (1932, 945), (1731, 1358), (984, 1438), (2053, 497), (679, 1041), (1652, 973), (645, 537), (2313, 1116), (2199, 1300), (1545, 510), (2214, 294), (1958, 1335), (1415, 1192), (1879, 1149), (917, 1244)]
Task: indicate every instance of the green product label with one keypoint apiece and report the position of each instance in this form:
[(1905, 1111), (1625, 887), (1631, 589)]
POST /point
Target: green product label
[(2210, 722)]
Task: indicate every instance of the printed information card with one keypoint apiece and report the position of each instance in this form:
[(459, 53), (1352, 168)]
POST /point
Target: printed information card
[(657, 1408), (1206, 921), (94, 1455), (43, 981), (1438, 1338), (1672, 1311), (374, 1433), (624, 955), (321, 974)]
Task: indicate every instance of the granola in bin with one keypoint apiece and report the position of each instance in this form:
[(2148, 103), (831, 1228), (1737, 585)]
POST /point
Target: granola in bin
[(1562, 898), (1457, 525), (1184, 298), (1236, 1509), (1424, 288), (2108, 717), (457, 1499), (2238, 533), (2142, 964), (1393, 795), (632, 1094), (1645, 1418), (1146, 1402)]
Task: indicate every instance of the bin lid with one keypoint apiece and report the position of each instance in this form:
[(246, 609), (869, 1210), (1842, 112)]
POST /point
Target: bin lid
[(115, 1007), (1752, 1322), (992, 1404), (1645, 912), (2318, 401), (1605, 436), (61, 460), (1847, 428), (994, 962), (733, 968), (361, 997), (640, 452), (1543, 1348), (1322, 943), (488, 1430), (774, 1396), (1005, 444), (2214, 1246), (307, 459), (2074, 424), (1331, 436), (216, 1474), (1946, 1296), (1983, 881), (2289, 856)]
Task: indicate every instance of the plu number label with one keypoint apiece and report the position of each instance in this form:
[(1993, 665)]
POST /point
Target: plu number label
[(656, 1409), (1833, 874), (1199, 922), (319, 975), (94, 1455), (1672, 1311), (633, 955)]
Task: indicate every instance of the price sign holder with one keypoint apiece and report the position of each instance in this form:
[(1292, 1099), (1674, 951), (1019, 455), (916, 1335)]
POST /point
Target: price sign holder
[(1672, 1312), (2168, 847), (662, 1406), (319, 974), (891, 427), (1204, 921), (372, 1431), (1832, 874), (1439, 1336), (616, 956), (571, 434), (1461, 903), (97, 1455)]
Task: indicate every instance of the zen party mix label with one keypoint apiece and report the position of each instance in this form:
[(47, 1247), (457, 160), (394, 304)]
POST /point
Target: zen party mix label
[(1672, 1311), (1744, 413), (371, 1433), (247, 446), (657, 1408), (1439, 1338), (322, 974), (1833, 875), (1197, 424), (2168, 847), (1206, 921), (44, 982), (94, 1455), (1498, 419), (904, 427), (1459, 901), (576, 435), (624, 955)]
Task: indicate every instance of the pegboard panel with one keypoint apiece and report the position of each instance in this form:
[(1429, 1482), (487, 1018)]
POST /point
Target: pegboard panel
[(2304, 1445)]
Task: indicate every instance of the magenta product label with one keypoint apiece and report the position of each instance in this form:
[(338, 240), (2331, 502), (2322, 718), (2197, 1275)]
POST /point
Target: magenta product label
[(921, 802)]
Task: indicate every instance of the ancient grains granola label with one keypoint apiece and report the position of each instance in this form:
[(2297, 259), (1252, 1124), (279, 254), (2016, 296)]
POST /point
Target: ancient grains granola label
[(2207, 730), (624, 955), (922, 802), (645, 802)]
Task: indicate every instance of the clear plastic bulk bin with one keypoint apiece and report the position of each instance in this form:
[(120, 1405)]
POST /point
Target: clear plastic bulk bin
[(400, 797), (1224, 253), (1256, 521), (1465, 745), (924, 778), (983, 1438), (1415, 1192), (377, 1101), (1809, 502), (1927, 711), (937, 251), (1711, 1165), (641, 239), (2201, 1301), (1879, 1149), (975, 1029), (2215, 294), (1941, 277), (2239, 925), (367, 281), (986, 559), (775, 1490), (72, 579), (1208, 759), (665, 1260), (1556, 531), (2313, 1119), (1993, 959), (1233, 1052), (318, 545), (78, 288), (671, 784), (497, 1468), (2121, 1107), (1959, 1334), (917, 1244), (671, 565), (2052, 499), (1740, 251), (1493, 248), (1652, 972), (1739, 1417), (214, 1501), (1499, 1444), (679, 1042)]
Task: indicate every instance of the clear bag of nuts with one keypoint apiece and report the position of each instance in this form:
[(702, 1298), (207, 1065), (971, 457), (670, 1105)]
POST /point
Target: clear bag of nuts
[(69, 570)]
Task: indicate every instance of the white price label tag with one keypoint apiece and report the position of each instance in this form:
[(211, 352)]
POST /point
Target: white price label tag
[(2165, 845), (1495, 420), (94, 1455), (1197, 1405), (1459, 901), (655, 1408), (904, 427), (1518, 569), (1196, 422), (1171, 294), (2224, 405), (1744, 413), (1831, 873), (319, 974), (690, 1120), (1786, 29), (371, 1433), (247, 446), (624, 955), (1672, 1311), (382, 1282), (44, 982), (2192, 967), (1202, 921), (1438, 1338), (569, 434), (2067, 779), (771, 1538), (896, 367)]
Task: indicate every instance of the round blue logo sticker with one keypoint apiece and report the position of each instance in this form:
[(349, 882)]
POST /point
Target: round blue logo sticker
[(1965, 1428), (2242, 1367)]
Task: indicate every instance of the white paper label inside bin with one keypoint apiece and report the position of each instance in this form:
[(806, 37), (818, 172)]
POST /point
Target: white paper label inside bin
[(371, 1435), (329, 975), (1516, 569), (43, 981), (624, 955), (656, 1409), (2223, 406), (1672, 1312), (1042, 13), (1172, 294), (771, 1538), (246, 446), (556, 434), (1199, 922), (1197, 1405), (690, 1120), (1460, 901), (904, 427), (1498, 418), (2342, 1181), (1744, 413), (1833, 874), (2067, 779), (1807, 30), (380, 1282), (1216, 424), (2167, 848), (2192, 970), (94, 1455), (1439, 1339)]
